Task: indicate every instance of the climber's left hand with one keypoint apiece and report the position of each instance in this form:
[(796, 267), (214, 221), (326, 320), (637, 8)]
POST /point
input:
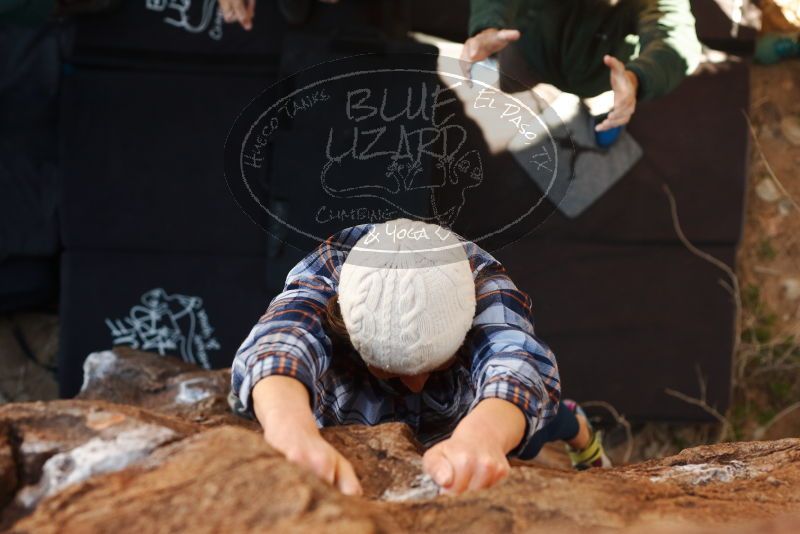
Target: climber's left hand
[(458, 465), (474, 457)]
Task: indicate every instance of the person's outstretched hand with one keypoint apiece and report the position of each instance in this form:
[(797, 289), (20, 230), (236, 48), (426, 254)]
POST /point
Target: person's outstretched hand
[(624, 83), (484, 44), (241, 11)]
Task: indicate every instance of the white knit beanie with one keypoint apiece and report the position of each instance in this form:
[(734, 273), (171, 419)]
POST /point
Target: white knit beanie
[(407, 296)]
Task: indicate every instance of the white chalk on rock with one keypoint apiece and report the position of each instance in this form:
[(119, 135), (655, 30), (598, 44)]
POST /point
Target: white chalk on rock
[(96, 456), (421, 488), (702, 474), (193, 390), (98, 366)]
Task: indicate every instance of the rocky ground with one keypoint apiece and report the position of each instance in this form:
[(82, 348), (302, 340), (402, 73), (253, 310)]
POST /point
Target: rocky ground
[(150, 446)]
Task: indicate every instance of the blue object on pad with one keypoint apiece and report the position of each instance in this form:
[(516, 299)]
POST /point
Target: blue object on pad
[(605, 138)]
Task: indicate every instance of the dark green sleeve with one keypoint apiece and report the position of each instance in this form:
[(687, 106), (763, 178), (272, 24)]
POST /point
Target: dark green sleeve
[(491, 14), (669, 49)]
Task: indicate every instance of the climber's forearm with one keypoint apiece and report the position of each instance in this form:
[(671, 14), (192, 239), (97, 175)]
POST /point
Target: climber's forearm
[(282, 403), (282, 407), (495, 420)]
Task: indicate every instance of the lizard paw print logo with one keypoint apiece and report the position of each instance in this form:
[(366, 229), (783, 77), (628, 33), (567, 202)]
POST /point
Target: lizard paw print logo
[(168, 324)]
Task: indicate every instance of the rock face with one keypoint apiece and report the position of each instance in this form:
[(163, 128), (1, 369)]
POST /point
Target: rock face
[(8, 467), (49, 446), (175, 463), (166, 385)]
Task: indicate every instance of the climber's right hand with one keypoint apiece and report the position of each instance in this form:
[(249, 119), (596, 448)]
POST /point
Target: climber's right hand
[(281, 404)]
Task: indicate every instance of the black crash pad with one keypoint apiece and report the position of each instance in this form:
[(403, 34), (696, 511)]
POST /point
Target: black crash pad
[(628, 321), (143, 162)]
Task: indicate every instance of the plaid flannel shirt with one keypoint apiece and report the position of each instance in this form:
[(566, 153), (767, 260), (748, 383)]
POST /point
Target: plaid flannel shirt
[(504, 359)]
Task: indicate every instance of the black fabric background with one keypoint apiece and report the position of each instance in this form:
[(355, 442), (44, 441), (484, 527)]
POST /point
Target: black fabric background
[(142, 162), (30, 70)]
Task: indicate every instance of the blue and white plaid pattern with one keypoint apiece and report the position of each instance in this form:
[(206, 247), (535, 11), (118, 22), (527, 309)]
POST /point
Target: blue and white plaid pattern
[(501, 356)]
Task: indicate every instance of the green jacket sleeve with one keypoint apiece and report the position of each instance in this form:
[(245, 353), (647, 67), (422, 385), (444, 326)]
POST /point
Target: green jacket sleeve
[(491, 14), (668, 47)]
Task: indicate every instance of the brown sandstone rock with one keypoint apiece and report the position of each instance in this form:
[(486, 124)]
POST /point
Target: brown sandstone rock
[(223, 480), (226, 478), (54, 444), (92, 466), (388, 463), (8, 466), (161, 383)]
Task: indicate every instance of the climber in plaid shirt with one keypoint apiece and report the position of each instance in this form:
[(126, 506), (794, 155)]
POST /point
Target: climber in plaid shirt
[(371, 328)]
